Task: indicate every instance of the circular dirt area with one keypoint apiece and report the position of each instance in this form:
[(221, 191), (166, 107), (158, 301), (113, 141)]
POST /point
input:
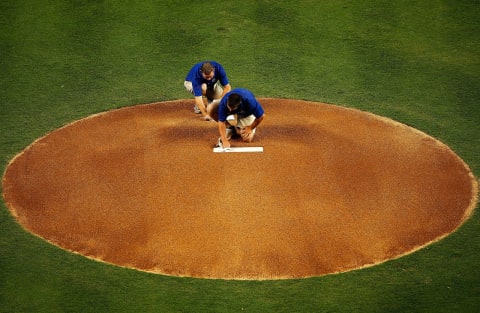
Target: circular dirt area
[(335, 189)]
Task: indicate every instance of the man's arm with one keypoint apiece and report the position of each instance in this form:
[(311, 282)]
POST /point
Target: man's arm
[(222, 129), (201, 105), (256, 122)]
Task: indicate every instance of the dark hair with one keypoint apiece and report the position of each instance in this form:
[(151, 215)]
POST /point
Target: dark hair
[(233, 101), (207, 68)]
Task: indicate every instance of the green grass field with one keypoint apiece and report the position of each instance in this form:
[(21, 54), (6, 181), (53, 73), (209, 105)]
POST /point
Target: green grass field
[(416, 62)]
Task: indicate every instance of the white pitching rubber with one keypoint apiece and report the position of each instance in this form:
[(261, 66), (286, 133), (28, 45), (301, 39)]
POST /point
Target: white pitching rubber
[(239, 149)]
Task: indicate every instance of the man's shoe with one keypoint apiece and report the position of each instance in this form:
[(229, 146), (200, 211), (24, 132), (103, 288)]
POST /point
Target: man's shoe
[(196, 109)]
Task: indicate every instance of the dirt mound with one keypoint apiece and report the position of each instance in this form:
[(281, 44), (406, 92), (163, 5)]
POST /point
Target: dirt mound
[(335, 189)]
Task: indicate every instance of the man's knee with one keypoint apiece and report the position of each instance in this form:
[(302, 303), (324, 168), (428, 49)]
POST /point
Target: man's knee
[(204, 89), (240, 131), (212, 110), (217, 90), (249, 138)]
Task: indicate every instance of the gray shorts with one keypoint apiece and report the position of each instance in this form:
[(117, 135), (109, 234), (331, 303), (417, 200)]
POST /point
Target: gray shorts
[(217, 89), (245, 121)]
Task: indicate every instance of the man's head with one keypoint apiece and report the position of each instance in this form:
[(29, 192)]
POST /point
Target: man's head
[(208, 71), (233, 101)]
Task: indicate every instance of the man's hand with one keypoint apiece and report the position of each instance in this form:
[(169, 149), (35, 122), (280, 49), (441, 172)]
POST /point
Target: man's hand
[(207, 118), (222, 129), (246, 133), (226, 145)]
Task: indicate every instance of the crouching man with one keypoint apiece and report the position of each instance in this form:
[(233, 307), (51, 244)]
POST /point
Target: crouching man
[(238, 113)]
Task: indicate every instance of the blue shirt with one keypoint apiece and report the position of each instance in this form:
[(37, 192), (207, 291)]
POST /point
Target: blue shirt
[(248, 105), (195, 76)]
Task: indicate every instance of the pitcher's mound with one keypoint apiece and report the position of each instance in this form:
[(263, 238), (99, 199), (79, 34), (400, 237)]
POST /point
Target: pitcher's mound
[(334, 189)]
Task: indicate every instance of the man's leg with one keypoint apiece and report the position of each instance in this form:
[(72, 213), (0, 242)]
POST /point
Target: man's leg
[(213, 92), (246, 121), (209, 95), (217, 90), (212, 110)]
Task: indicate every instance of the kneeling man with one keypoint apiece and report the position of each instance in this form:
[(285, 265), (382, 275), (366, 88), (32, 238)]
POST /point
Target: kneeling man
[(238, 113)]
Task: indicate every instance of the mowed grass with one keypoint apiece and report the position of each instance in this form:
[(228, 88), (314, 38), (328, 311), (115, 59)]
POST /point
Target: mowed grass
[(414, 61)]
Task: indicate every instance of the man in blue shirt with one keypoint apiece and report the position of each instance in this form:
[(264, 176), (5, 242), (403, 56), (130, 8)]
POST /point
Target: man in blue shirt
[(206, 79), (248, 111)]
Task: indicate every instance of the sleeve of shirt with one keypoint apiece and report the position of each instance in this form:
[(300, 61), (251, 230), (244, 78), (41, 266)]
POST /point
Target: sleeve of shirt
[(222, 75), (197, 88), (255, 107), (222, 110), (195, 77)]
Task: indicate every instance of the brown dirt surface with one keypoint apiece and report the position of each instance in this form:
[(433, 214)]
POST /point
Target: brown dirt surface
[(335, 189)]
